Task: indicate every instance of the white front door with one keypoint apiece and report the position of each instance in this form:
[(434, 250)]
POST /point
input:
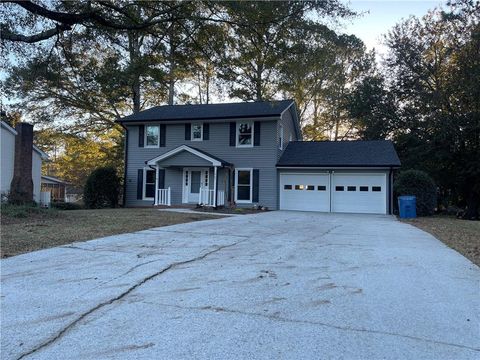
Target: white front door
[(193, 180)]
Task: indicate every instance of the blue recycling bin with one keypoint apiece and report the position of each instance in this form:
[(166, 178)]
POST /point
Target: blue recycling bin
[(407, 207)]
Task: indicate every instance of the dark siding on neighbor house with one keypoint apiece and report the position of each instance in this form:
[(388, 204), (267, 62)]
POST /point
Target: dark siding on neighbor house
[(263, 157)]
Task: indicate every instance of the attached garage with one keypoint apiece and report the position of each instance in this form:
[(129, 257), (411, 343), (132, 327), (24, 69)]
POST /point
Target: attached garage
[(344, 177)]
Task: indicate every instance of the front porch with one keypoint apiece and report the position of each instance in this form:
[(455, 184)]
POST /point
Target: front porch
[(188, 176)]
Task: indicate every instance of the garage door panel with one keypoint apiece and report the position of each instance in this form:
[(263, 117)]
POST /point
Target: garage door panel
[(305, 192)]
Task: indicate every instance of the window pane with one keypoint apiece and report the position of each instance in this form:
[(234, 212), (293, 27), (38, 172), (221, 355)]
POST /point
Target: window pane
[(352, 188), (287, 187), (150, 177), (298, 187), (243, 178), (245, 128), (376, 188), (321, 188), (310, 187), (338, 188), (243, 192), (245, 139), (363, 188), (197, 132), (150, 190), (153, 133), (244, 134)]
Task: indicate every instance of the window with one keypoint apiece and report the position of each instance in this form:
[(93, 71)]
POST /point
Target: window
[(280, 139), (298, 187), (338, 188), (197, 132), (290, 138), (351, 188), (287, 187), (244, 134), (152, 136), (148, 184), (310, 187), (376, 188), (243, 190), (321, 188), (363, 188)]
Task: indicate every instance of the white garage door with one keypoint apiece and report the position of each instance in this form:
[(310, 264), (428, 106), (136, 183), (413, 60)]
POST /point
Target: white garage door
[(359, 193), (306, 192), (352, 193)]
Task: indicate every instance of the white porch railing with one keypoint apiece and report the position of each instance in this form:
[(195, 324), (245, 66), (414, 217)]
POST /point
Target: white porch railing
[(163, 197), (206, 197)]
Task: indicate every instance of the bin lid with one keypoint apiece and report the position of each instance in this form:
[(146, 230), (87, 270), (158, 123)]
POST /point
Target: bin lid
[(407, 197)]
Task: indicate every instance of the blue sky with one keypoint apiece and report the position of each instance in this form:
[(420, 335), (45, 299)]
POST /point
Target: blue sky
[(382, 16)]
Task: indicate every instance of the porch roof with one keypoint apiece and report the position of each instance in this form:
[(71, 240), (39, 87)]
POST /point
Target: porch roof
[(214, 160)]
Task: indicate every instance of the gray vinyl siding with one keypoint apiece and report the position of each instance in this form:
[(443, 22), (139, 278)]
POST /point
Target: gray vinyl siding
[(288, 124), (263, 157)]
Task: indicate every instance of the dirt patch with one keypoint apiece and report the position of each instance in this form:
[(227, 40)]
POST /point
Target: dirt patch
[(461, 235), (49, 229)]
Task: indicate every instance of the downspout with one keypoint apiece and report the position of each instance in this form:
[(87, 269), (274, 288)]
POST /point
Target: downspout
[(125, 161), (390, 191)]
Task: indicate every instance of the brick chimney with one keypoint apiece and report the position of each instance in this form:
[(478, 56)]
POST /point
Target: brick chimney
[(21, 188)]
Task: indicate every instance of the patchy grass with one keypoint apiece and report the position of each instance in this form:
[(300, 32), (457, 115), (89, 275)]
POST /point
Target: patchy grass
[(25, 230), (461, 235)]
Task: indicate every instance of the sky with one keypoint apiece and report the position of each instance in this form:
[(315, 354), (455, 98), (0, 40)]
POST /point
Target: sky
[(382, 16)]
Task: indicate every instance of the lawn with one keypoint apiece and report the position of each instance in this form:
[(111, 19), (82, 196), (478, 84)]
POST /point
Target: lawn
[(461, 235), (24, 231)]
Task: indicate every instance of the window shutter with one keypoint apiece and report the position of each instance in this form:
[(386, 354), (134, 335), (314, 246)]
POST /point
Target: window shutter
[(256, 133), (233, 133), (163, 134), (256, 182), (161, 178), (140, 184), (141, 135), (206, 131), (188, 131)]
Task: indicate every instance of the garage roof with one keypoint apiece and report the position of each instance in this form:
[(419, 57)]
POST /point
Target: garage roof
[(376, 153), (211, 111)]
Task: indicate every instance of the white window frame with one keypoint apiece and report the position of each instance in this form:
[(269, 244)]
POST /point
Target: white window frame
[(280, 131), (201, 132), (251, 186), (144, 185), (145, 137), (238, 134)]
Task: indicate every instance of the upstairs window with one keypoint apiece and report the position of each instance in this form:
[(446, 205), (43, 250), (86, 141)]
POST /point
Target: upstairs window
[(280, 137), (244, 134), (152, 136), (197, 132)]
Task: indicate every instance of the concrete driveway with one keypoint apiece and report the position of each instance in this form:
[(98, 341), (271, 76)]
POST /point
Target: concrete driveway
[(279, 285)]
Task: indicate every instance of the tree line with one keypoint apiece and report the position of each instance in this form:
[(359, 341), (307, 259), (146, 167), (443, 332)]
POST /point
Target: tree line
[(74, 67)]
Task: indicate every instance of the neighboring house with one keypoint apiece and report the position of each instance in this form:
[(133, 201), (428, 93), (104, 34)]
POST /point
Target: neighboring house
[(7, 166), (56, 187), (250, 153)]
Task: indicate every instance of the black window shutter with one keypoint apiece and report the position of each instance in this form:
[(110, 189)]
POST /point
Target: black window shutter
[(206, 131), (161, 178), (256, 133), (233, 133), (256, 182), (163, 134), (141, 135), (188, 131), (140, 184)]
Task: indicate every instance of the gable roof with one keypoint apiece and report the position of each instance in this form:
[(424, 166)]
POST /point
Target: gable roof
[(210, 111), (216, 161), (10, 129), (376, 153)]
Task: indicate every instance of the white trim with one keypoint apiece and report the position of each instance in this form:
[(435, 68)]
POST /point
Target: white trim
[(145, 145), (287, 108), (144, 185), (201, 131), (10, 129), (186, 189), (280, 131), (335, 168), (252, 123), (251, 186), (183, 148)]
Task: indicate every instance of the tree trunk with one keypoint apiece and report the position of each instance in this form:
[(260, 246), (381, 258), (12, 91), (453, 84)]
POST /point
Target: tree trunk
[(134, 51)]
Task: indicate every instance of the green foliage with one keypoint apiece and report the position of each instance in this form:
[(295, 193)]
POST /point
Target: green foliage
[(102, 189), (421, 185), (26, 211), (66, 206)]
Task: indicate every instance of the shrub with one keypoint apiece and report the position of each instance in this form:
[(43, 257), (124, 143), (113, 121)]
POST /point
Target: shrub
[(421, 185), (66, 206), (102, 189), (26, 211)]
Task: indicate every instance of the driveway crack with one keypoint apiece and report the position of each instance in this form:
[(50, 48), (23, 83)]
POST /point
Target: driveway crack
[(84, 315)]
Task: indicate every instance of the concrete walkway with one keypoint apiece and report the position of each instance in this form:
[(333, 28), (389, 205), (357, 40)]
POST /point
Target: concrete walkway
[(279, 285)]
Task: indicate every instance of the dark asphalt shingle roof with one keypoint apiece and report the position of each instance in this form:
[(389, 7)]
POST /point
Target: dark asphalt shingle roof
[(210, 111), (376, 153)]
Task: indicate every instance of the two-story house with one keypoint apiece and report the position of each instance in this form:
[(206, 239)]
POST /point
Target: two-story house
[(249, 153)]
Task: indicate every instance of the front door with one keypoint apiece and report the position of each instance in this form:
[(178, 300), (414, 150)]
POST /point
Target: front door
[(194, 180)]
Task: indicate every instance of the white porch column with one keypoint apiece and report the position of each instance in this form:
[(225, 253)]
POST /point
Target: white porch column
[(156, 184), (214, 186)]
